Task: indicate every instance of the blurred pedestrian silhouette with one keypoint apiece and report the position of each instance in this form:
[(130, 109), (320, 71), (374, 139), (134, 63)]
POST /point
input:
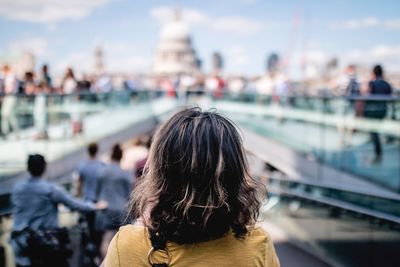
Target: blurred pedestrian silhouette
[(114, 188), (88, 174), (36, 238), (69, 82), (9, 120), (87, 187), (377, 109), (354, 106), (45, 78)]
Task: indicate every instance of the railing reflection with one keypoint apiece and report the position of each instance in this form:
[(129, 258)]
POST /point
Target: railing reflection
[(335, 131), (359, 135), (57, 124), (50, 109)]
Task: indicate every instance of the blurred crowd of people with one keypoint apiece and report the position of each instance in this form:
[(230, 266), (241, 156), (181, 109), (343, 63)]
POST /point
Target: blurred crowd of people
[(103, 186), (102, 190), (34, 87), (110, 180), (361, 105), (273, 82), (34, 83), (274, 86)]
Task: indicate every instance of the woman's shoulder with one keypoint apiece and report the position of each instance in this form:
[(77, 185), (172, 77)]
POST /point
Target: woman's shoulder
[(138, 233), (258, 232), (132, 232), (271, 258), (128, 246), (259, 238), (131, 245), (132, 228)]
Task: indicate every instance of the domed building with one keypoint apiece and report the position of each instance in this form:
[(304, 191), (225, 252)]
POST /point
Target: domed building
[(175, 54)]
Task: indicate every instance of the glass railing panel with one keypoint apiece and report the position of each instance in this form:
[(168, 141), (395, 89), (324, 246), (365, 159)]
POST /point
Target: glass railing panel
[(384, 205), (369, 142), (56, 125), (340, 132), (344, 238), (272, 117)]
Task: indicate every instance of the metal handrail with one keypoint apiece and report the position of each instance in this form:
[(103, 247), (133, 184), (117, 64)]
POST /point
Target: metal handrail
[(339, 204), (340, 187), (225, 92)]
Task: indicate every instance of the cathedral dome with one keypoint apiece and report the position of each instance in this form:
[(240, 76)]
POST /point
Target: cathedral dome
[(175, 54), (175, 30)]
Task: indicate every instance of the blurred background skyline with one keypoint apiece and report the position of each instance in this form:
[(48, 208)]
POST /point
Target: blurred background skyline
[(245, 32)]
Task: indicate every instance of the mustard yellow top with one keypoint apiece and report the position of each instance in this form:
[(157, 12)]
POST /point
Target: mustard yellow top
[(131, 245)]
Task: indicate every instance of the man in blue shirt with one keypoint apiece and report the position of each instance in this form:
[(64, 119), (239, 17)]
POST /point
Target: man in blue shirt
[(36, 202), (115, 186), (87, 188), (88, 172)]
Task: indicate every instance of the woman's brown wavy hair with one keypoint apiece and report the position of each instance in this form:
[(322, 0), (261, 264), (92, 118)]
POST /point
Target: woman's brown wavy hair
[(196, 184)]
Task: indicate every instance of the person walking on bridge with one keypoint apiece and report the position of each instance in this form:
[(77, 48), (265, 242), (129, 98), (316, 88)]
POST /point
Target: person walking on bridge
[(35, 230), (377, 109), (9, 120), (87, 187), (114, 188)]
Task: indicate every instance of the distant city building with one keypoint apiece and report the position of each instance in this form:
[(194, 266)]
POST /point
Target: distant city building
[(175, 54), (272, 65), (26, 63), (98, 61), (217, 63), (199, 63), (331, 68)]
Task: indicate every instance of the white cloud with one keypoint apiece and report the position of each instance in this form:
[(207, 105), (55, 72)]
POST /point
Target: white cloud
[(387, 55), (36, 45), (385, 52), (318, 57), (48, 11), (309, 64), (126, 57), (118, 57), (377, 53), (354, 55), (249, 2), (392, 24), (231, 24), (51, 27), (239, 25), (365, 23), (121, 48), (371, 22), (80, 61), (129, 64), (314, 57), (237, 56), (164, 14)]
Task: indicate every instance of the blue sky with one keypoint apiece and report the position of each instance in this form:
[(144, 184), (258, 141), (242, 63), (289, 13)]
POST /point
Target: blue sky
[(65, 33)]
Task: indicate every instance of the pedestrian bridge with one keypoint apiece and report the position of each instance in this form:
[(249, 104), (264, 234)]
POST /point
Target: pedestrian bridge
[(328, 196)]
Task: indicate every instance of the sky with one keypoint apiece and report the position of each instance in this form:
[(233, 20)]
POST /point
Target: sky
[(65, 33)]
